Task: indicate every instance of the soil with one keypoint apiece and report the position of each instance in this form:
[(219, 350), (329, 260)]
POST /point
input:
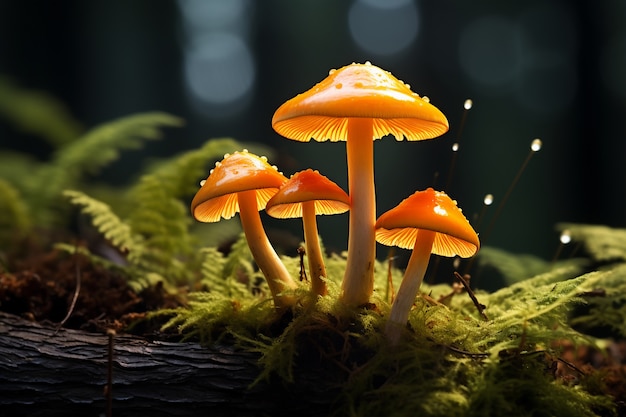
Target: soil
[(55, 287)]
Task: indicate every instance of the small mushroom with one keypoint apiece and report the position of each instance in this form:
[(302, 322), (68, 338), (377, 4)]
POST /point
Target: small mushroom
[(243, 182), (357, 104), (426, 222), (307, 194)]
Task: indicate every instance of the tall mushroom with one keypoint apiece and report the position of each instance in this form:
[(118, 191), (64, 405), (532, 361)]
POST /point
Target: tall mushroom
[(357, 104), (426, 222), (243, 182), (307, 194)]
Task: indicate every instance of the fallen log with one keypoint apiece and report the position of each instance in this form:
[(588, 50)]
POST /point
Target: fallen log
[(49, 371)]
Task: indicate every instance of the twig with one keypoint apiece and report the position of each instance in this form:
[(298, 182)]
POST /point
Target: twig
[(74, 298), (466, 353), (480, 307), (108, 390), (571, 366)]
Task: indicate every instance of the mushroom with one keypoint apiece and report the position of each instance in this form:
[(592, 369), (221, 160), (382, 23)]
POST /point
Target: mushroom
[(306, 194), (243, 182), (426, 222), (357, 104)]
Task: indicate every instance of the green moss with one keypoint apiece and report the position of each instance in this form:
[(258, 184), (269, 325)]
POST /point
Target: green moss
[(451, 362)]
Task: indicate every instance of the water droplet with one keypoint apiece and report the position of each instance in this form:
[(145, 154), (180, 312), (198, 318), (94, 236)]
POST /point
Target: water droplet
[(488, 199), (468, 104), (244, 150), (217, 164), (426, 99), (331, 71), (264, 158), (226, 155), (566, 237), (455, 146), (275, 167), (535, 145), (367, 63)]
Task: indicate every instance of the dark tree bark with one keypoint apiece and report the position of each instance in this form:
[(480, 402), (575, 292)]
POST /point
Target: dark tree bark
[(48, 372)]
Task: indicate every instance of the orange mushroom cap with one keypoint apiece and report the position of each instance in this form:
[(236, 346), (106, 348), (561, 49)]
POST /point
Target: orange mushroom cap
[(303, 186), (240, 171), (430, 210), (359, 91)]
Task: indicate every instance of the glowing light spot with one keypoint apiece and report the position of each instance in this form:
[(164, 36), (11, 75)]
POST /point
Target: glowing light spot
[(204, 181), (488, 200), (468, 104), (456, 263), (383, 27), (566, 237), (535, 145), (455, 147)]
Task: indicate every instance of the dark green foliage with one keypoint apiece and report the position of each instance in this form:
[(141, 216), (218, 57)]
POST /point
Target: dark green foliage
[(40, 183), (38, 113), (14, 219), (498, 268)]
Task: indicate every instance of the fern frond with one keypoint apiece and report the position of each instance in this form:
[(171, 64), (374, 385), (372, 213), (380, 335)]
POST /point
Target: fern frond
[(239, 262), (38, 113), (112, 227), (159, 214), (180, 175), (91, 152), (102, 144)]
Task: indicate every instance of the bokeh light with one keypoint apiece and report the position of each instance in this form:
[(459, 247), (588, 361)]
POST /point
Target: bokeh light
[(383, 27), (219, 66)]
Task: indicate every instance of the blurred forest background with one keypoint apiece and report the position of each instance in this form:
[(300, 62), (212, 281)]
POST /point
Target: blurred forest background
[(554, 70)]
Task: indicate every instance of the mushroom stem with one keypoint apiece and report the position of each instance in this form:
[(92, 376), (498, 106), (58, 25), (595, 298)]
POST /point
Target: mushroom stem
[(277, 276), (411, 282), (317, 268), (358, 280)]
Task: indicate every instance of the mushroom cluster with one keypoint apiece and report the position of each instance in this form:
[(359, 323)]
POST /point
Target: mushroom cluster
[(358, 104)]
